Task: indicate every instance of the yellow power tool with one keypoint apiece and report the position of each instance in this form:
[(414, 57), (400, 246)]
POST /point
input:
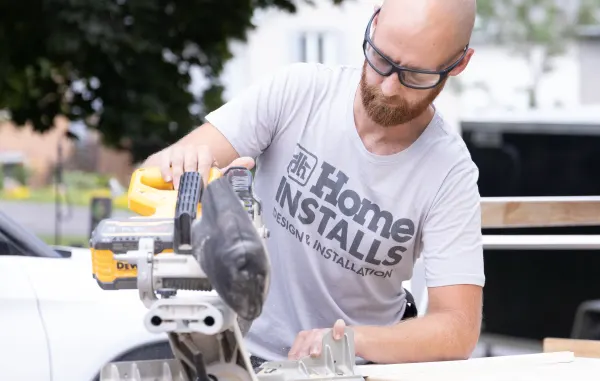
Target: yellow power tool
[(155, 201)]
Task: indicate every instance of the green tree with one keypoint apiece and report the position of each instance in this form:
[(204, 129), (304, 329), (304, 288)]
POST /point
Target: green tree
[(536, 30), (121, 66)]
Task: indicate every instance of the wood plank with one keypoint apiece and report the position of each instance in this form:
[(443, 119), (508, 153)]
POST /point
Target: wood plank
[(511, 212), (579, 370), (581, 348)]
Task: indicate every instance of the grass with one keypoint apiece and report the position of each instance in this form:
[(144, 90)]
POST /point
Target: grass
[(74, 196)]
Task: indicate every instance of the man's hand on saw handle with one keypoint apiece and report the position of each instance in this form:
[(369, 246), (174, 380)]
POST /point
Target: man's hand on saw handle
[(201, 149), (177, 159)]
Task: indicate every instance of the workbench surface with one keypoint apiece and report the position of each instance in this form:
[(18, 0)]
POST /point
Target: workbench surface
[(558, 366)]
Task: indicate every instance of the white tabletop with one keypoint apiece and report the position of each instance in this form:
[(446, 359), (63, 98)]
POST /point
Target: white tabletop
[(560, 366)]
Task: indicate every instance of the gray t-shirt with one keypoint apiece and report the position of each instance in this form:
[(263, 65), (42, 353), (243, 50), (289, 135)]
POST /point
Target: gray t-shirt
[(346, 225)]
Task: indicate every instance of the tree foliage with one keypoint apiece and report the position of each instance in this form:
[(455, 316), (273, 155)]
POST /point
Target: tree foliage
[(121, 66), (536, 30)]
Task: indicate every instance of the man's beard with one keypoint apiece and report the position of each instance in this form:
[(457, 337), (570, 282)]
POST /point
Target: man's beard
[(385, 114)]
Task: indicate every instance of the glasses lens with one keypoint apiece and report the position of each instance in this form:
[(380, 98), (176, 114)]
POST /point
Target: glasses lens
[(377, 62), (419, 80)]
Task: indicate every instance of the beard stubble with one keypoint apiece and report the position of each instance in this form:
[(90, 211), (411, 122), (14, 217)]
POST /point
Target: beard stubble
[(387, 115)]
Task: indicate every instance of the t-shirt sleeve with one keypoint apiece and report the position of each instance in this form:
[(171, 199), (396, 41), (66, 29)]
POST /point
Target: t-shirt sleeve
[(252, 119), (452, 237)]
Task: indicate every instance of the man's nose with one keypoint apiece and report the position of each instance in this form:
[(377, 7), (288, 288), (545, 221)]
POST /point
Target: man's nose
[(391, 85)]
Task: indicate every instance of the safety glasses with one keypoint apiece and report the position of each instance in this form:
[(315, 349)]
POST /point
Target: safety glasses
[(413, 78)]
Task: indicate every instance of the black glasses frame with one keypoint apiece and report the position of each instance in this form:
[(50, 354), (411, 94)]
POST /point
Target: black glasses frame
[(395, 68)]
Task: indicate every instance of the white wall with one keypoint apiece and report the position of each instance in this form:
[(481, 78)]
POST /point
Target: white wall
[(275, 42), (505, 75)]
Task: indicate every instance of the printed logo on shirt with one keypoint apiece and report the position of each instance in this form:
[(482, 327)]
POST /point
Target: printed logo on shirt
[(301, 166), (351, 231)]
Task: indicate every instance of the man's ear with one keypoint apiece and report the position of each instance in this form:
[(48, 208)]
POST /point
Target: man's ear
[(377, 5), (375, 8), (463, 64)]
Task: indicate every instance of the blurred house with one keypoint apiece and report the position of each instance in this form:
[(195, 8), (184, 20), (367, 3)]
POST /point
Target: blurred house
[(495, 79), (39, 152), (589, 61)]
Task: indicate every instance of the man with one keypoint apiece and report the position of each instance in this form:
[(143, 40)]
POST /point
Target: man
[(359, 176)]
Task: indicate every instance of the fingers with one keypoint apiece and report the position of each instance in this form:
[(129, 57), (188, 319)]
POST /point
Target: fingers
[(297, 346), (338, 329), (306, 343), (205, 161), (310, 343), (190, 159), (176, 160), (177, 157), (165, 165), (315, 345)]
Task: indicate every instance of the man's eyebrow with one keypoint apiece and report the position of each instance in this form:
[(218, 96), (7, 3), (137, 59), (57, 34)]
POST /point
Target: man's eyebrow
[(443, 66), (407, 65), (399, 63)]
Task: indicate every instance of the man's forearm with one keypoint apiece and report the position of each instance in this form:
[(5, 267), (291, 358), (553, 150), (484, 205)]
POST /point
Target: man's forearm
[(434, 337)]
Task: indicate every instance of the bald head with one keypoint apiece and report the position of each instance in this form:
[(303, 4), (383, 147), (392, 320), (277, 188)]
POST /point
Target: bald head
[(416, 34), (436, 28)]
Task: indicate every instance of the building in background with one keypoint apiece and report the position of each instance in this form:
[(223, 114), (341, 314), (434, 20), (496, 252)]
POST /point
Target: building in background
[(589, 60), (495, 79), (38, 153)]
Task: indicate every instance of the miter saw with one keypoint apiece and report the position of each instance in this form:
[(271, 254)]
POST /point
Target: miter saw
[(197, 257)]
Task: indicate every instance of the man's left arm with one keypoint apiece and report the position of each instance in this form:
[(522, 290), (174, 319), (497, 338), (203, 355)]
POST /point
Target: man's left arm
[(453, 259)]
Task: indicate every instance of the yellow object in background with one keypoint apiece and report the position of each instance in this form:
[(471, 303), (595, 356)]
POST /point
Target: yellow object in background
[(17, 193)]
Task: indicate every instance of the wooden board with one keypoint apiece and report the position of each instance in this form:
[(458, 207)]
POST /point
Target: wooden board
[(558, 366), (581, 348), (512, 212)]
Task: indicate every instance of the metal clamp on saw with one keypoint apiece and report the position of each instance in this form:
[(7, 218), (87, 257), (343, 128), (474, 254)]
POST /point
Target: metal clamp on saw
[(198, 259)]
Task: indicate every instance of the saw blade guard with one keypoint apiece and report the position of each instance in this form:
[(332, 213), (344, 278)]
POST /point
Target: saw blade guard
[(230, 250)]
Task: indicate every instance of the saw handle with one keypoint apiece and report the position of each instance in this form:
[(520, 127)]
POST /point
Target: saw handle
[(150, 195), (189, 194)]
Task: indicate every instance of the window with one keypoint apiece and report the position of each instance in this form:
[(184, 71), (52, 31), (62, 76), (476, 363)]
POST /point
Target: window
[(17, 240), (316, 47), (7, 247)]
